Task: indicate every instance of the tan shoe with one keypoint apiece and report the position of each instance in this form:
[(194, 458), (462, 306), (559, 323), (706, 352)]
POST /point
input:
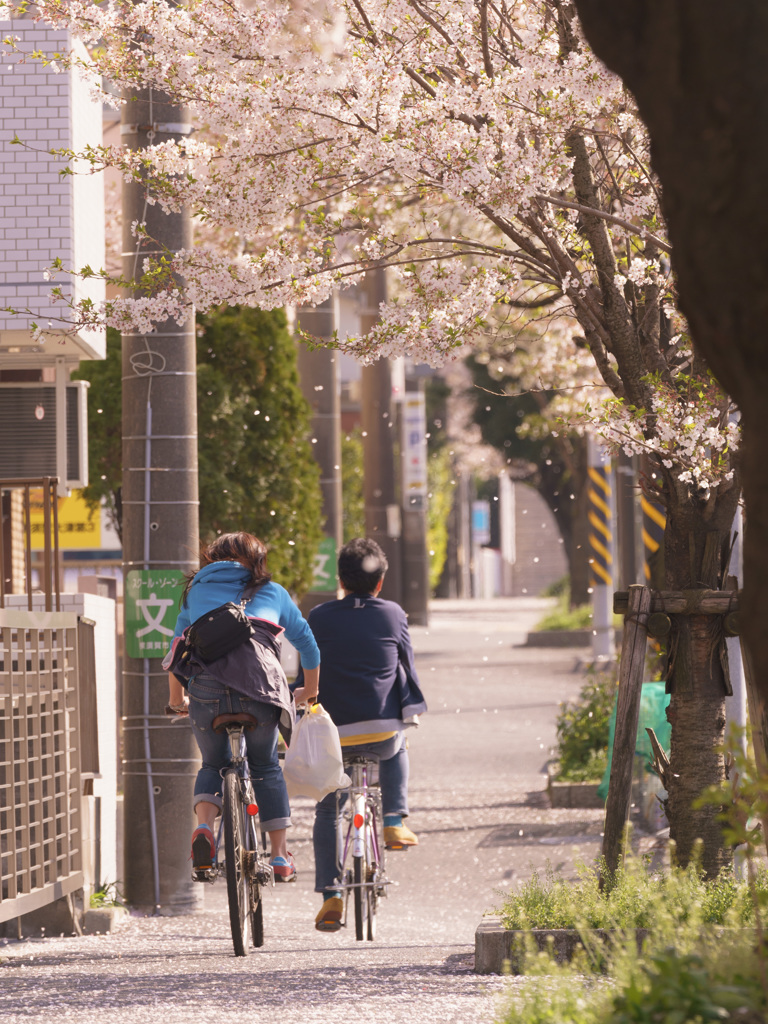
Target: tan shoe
[(329, 918), (397, 837)]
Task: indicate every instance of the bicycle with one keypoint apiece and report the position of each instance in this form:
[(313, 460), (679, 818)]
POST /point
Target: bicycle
[(360, 852), (245, 864)]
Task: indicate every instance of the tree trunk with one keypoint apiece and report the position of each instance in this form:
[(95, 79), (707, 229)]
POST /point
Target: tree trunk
[(710, 152), (696, 553)]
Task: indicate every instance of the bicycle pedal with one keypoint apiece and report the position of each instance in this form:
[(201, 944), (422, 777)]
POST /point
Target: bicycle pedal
[(203, 874)]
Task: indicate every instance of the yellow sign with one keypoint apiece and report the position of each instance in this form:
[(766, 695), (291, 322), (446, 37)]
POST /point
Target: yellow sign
[(79, 526)]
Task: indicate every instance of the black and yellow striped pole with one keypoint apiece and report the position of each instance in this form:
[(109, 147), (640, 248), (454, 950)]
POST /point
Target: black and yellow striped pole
[(654, 521), (601, 547)]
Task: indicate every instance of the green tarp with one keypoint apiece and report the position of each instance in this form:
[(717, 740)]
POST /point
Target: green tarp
[(653, 706)]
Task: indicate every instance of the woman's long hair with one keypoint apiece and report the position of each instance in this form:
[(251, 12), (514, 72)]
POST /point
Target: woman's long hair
[(240, 547)]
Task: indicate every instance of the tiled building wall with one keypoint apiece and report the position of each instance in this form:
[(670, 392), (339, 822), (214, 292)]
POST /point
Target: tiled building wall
[(46, 215)]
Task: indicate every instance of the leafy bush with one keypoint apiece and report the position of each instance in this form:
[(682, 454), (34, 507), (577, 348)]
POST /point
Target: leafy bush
[(680, 988), (686, 972), (582, 730), (636, 899), (704, 956)]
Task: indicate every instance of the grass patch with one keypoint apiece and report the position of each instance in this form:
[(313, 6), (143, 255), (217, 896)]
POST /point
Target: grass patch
[(635, 900), (689, 971), (564, 617)]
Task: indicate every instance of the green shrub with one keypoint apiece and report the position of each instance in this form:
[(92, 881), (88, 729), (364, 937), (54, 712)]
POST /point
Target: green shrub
[(687, 971), (582, 730), (677, 988), (636, 899), (563, 617)]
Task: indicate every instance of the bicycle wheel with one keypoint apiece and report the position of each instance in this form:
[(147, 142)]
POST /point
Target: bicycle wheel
[(364, 872), (372, 876), (257, 917), (361, 902), (238, 884)]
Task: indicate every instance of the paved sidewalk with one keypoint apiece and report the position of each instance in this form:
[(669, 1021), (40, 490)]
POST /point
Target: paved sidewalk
[(478, 805)]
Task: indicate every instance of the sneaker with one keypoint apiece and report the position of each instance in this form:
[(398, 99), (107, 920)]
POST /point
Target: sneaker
[(203, 849), (329, 918), (398, 837), (284, 870)]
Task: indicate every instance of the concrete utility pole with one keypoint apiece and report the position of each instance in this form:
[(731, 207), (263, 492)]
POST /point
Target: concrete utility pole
[(415, 583), (382, 507), (160, 542), (319, 377)]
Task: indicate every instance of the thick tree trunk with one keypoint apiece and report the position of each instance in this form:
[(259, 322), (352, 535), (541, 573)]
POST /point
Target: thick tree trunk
[(697, 543), (699, 73)]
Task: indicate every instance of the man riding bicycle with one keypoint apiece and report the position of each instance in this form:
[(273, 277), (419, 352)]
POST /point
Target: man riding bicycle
[(370, 689)]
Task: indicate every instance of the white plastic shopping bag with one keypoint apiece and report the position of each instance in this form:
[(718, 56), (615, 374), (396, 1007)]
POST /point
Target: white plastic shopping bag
[(313, 766)]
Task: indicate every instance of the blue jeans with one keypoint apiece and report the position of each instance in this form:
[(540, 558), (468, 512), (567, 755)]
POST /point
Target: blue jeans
[(207, 699), (392, 758)]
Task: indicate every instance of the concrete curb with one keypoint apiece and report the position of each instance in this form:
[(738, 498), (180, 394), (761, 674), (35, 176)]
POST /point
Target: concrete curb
[(564, 638), (499, 950), (572, 794), (99, 921)]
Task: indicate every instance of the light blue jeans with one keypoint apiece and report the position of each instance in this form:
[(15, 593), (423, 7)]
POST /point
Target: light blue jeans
[(207, 699), (392, 758)]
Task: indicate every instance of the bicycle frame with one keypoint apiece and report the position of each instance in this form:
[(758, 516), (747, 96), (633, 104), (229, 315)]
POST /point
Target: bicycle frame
[(360, 852), (245, 865)]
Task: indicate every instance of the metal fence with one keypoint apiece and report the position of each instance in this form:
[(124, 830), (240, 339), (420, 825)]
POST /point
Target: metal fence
[(40, 784), (40, 803)]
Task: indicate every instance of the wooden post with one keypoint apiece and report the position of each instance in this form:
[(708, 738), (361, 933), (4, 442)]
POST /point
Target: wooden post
[(631, 672)]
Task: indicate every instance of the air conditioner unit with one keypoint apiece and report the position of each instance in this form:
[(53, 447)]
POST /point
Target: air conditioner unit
[(28, 432)]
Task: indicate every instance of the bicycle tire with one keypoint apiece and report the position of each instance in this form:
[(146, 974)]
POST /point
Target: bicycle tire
[(257, 918), (358, 877), (238, 886), (372, 871)]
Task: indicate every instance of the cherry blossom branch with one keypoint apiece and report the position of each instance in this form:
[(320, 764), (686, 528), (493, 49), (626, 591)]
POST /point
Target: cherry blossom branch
[(611, 217), (488, 63), (440, 30)]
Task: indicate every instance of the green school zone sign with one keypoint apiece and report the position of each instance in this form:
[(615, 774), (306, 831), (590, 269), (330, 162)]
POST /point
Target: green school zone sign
[(151, 608)]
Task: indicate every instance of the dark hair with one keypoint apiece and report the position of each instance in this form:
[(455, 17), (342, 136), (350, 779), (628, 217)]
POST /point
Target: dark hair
[(241, 547), (361, 565)]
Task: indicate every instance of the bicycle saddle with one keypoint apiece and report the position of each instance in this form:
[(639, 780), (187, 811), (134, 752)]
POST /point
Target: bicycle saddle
[(358, 759), (221, 722)]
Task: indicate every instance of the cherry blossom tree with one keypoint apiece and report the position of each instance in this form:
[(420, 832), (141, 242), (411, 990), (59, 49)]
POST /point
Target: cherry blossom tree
[(479, 150), (701, 83)]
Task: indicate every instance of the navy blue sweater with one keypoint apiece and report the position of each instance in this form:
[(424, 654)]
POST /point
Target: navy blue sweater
[(368, 681)]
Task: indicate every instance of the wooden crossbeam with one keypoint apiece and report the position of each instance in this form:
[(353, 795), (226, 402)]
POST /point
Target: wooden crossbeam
[(684, 602)]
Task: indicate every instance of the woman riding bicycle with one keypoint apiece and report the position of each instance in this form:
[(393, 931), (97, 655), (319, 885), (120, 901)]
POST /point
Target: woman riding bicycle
[(249, 679), (371, 691)]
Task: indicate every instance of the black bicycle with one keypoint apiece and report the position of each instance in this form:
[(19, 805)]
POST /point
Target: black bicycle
[(245, 864)]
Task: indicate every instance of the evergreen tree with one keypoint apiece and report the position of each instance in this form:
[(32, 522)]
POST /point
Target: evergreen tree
[(256, 469)]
